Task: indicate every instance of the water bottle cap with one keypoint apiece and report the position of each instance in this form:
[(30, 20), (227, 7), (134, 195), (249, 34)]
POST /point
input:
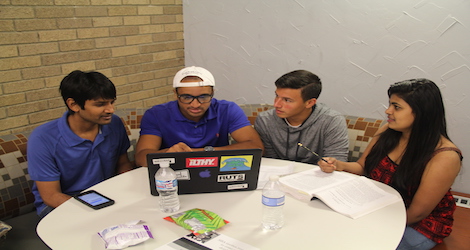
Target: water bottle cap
[(274, 177), (164, 164)]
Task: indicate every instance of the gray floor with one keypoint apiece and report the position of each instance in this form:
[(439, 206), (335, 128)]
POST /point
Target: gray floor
[(23, 234)]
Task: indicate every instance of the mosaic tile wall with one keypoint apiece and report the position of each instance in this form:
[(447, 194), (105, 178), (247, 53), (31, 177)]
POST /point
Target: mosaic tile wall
[(360, 132), (15, 185), (131, 118), (252, 110)]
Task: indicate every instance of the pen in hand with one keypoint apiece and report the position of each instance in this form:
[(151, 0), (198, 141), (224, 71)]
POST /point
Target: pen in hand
[(313, 152)]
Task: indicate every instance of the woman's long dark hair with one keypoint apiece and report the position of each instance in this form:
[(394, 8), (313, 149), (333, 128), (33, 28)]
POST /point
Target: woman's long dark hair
[(424, 98)]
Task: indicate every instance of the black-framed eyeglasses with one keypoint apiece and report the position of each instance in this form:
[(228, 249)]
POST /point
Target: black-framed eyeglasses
[(187, 99)]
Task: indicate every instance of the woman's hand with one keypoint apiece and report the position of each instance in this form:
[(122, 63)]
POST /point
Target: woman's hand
[(329, 166)]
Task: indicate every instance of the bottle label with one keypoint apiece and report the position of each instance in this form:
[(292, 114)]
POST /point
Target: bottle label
[(166, 185), (273, 202)]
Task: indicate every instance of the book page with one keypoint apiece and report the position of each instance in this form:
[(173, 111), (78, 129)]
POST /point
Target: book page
[(265, 171), (314, 180), (357, 197)]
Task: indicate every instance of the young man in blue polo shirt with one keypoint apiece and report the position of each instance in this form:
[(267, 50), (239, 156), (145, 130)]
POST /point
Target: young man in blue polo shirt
[(195, 121), (87, 145)]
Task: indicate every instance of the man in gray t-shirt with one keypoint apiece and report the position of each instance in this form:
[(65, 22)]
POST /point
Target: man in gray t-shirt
[(298, 118)]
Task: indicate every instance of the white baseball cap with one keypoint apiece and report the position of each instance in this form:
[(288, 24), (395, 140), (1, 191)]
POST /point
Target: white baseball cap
[(204, 74)]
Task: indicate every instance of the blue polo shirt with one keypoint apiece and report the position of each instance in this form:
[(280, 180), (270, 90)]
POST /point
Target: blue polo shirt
[(166, 121), (57, 153)]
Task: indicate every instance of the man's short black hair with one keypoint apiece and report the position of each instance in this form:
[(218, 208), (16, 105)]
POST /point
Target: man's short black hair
[(308, 82), (82, 86)]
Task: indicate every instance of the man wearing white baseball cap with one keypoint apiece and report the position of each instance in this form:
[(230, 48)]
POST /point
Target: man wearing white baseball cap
[(195, 121)]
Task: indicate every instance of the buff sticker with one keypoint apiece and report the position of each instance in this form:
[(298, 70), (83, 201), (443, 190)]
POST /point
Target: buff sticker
[(182, 175), (236, 163), (237, 186), (169, 160), (202, 162)]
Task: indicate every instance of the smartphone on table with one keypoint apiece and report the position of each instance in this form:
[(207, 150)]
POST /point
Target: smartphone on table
[(94, 199)]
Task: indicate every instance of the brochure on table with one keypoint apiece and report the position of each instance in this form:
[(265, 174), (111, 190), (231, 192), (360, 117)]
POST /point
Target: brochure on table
[(213, 240)]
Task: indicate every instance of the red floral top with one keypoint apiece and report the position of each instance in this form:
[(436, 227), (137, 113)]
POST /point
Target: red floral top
[(438, 224)]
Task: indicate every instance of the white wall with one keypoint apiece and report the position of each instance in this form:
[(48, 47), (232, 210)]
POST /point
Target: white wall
[(358, 48)]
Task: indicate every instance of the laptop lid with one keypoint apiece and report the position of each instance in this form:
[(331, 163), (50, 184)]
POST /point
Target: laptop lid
[(209, 171)]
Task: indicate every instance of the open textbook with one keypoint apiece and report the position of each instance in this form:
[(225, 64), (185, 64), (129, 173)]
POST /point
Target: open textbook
[(348, 194)]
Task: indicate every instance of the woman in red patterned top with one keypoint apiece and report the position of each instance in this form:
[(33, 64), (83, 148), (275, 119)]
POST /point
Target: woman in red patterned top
[(413, 154)]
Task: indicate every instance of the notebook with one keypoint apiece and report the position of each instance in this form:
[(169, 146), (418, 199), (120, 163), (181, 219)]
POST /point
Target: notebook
[(209, 171)]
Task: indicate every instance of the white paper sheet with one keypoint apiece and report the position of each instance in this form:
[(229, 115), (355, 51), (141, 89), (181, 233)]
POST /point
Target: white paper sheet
[(266, 171)]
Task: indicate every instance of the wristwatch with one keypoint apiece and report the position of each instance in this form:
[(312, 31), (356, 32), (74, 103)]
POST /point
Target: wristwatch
[(209, 148)]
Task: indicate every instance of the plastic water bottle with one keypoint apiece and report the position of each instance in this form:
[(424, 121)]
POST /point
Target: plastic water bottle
[(167, 187), (273, 204)]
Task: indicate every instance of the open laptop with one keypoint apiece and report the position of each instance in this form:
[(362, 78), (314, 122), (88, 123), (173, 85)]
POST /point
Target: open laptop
[(209, 171)]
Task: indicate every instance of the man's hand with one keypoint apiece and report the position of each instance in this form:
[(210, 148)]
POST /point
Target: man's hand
[(179, 147)]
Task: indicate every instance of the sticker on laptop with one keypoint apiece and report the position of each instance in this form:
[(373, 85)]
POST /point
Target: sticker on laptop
[(202, 162), (182, 175), (236, 163), (205, 173), (230, 177), (237, 186), (169, 160)]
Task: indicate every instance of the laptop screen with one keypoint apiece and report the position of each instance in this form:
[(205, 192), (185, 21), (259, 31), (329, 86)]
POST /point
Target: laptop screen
[(211, 171)]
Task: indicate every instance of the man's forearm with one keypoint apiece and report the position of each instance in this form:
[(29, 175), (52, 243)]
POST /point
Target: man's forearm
[(56, 199)]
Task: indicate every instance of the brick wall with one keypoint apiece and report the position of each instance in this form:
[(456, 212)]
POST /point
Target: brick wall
[(138, 44)]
